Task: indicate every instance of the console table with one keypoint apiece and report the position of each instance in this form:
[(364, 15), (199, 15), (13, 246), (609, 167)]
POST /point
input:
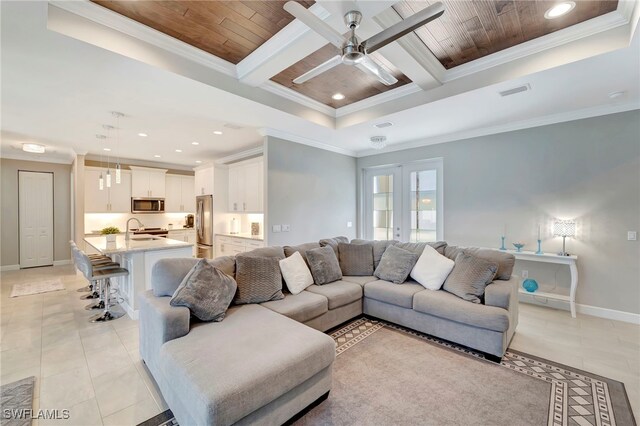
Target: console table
[(570, 261)]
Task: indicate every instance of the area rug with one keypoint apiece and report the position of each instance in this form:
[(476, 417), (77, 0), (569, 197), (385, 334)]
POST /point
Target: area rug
[(387, 374), (25, 289), (16, 399)]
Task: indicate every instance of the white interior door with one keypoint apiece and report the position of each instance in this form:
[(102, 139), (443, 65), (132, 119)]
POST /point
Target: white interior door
[(383, 203), (35, 199)]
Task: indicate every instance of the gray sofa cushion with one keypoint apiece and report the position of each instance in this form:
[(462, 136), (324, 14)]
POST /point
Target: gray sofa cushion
[(206, 291), (469, 277), (301, 307), (339, 293), (399, 295), (361, 281), (418, 248), (226, 264), (396, 264), (227, 370), (379, 246), (274, 251), (302, 248), (167, 274), (356, 259), (259, 279), (333, 242), (445, 305), (505, 261), (324, 265)]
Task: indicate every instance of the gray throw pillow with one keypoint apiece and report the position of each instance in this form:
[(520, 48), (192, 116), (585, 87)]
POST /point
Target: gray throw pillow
[(324, 265), (469, 277), (206, 291), (301, 248), (396, 264), (333, 243), (379, 246), (356, 259), (418, 248), (505, 261), (259, 279)]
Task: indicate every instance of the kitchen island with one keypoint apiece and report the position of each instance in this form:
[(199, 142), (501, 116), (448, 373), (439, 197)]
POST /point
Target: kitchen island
[(138, 255)]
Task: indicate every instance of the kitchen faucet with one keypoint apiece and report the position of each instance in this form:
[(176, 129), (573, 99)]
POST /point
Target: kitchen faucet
[(127, 237)]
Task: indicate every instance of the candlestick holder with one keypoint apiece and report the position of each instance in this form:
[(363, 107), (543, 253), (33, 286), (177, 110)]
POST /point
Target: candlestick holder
[(539, 248), (502, 247)]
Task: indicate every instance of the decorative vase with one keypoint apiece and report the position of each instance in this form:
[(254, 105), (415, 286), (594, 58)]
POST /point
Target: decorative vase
[(502, 247), (530, 285), (111, 238), (518, 246)]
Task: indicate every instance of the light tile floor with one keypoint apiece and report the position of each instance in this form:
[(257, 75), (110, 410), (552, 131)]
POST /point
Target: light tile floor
[(95, 369)]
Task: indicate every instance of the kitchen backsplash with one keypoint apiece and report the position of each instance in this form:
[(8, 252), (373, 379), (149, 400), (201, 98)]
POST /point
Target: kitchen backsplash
[(244, 220), (94, 222)]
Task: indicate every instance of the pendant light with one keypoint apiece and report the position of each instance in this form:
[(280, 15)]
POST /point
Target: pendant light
[(117, 115), (108, 174), (101, 178), (101, 182)]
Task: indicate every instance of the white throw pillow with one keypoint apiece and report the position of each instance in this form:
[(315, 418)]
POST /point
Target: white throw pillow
[(432, 269), (296, 273)]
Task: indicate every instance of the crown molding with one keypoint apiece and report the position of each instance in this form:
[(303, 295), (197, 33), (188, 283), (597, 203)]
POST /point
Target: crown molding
[(41, 158), (248, 153), (292, 95), (519, 125), (305, 141), (390, 95), (111, 19)]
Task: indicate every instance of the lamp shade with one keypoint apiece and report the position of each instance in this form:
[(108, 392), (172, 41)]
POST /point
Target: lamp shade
[(564, 228)]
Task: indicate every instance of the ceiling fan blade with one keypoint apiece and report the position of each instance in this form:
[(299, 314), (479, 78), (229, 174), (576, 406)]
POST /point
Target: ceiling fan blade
[(325, 66), (370, 66), (396, 31), (314, 23)]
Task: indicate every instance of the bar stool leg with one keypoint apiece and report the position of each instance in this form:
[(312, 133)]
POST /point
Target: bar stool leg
[(100, 303), (107, 314)]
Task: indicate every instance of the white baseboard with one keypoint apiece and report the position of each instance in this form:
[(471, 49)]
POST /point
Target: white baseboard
[(608, 313), (9, 268), (62, 262)]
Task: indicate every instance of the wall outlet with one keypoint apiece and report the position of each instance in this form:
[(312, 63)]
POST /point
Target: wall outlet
[(349, 224), (276, 228), (632, 235), (525, 274), (286, 228)]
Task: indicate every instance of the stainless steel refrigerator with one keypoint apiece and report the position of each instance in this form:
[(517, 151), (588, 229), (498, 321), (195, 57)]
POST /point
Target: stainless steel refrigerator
[(204, 226)]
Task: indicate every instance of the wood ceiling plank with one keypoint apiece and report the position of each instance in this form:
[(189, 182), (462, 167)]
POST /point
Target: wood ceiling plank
[(242, 32), (240, 8), (200, 16), (478, 35), (511, 26)]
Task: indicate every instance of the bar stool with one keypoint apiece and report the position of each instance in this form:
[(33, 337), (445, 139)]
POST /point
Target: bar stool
[(105, 275), (95, 259), (97, 265)]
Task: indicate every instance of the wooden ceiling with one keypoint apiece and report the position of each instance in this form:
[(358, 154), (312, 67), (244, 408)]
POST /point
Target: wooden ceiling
[(230, 30), (469, 30)]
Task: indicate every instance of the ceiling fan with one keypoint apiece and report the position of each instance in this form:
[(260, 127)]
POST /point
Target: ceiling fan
[(354, 51)]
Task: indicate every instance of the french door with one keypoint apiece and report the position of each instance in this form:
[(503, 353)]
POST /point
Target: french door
[(404, 202), (35, 200)]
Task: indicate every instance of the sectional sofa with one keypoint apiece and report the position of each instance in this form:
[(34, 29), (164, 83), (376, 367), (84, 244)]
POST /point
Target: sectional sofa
[(265, 363)]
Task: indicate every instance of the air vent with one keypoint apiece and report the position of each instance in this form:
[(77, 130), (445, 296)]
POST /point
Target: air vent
[(515, 90), (383, 125), (233, 126)]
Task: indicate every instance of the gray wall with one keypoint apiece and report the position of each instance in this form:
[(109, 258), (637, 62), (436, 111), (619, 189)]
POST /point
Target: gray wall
[(586, 169), (311, 189), (9, 238)]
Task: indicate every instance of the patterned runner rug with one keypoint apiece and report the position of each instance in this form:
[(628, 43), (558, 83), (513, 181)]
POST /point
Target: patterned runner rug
[(387, 374), (16, 400)]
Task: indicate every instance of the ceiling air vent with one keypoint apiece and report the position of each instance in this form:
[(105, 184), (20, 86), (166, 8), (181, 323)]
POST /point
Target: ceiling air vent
[(383, 125), (515, 90)]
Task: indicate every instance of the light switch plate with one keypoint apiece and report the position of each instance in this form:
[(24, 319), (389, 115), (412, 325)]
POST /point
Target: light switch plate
[(276, 228), (286, 228), (632, 235)]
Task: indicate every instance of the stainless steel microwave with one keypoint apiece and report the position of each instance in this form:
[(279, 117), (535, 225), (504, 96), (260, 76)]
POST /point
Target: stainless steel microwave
[(147, 205)]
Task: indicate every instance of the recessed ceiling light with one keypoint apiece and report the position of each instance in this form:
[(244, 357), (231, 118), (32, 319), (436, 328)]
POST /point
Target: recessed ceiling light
[(106, 149), (143, 135), (33, 147), (217, 132), (195, 143), (157, 156), (178, 150), (559, 9), (198, 161), (337, 96)]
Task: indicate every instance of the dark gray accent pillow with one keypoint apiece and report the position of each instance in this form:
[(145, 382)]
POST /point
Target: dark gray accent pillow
[(333, 243), (226, 264), (206, 291), (302, 248), (356, 259), (167, 274), (259, 279), (396, 264), (324, 265), (469, 277), (505, 261), (379, 246)]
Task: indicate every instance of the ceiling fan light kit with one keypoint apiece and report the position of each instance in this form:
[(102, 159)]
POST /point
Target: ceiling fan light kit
[(356, 52)]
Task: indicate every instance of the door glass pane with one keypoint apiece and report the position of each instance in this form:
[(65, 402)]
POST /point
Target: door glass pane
[(422, 201), (383, 207)]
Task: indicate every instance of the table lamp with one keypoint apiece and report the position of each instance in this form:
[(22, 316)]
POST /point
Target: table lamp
[(564, 229)]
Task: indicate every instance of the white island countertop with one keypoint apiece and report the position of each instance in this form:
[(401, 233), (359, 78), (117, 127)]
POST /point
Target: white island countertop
[(137, 243)]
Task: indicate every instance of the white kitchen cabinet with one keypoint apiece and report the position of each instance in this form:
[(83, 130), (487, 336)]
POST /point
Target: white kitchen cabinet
[(186, 235), (116, 199), (147, 182), (179, 194), (203, 181), (246, 186), (230, 246)]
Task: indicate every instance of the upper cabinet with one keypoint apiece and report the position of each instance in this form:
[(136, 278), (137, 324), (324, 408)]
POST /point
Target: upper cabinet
[(147, 182), (246, 186), (116, 199), (179, 194), (204, 181)]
